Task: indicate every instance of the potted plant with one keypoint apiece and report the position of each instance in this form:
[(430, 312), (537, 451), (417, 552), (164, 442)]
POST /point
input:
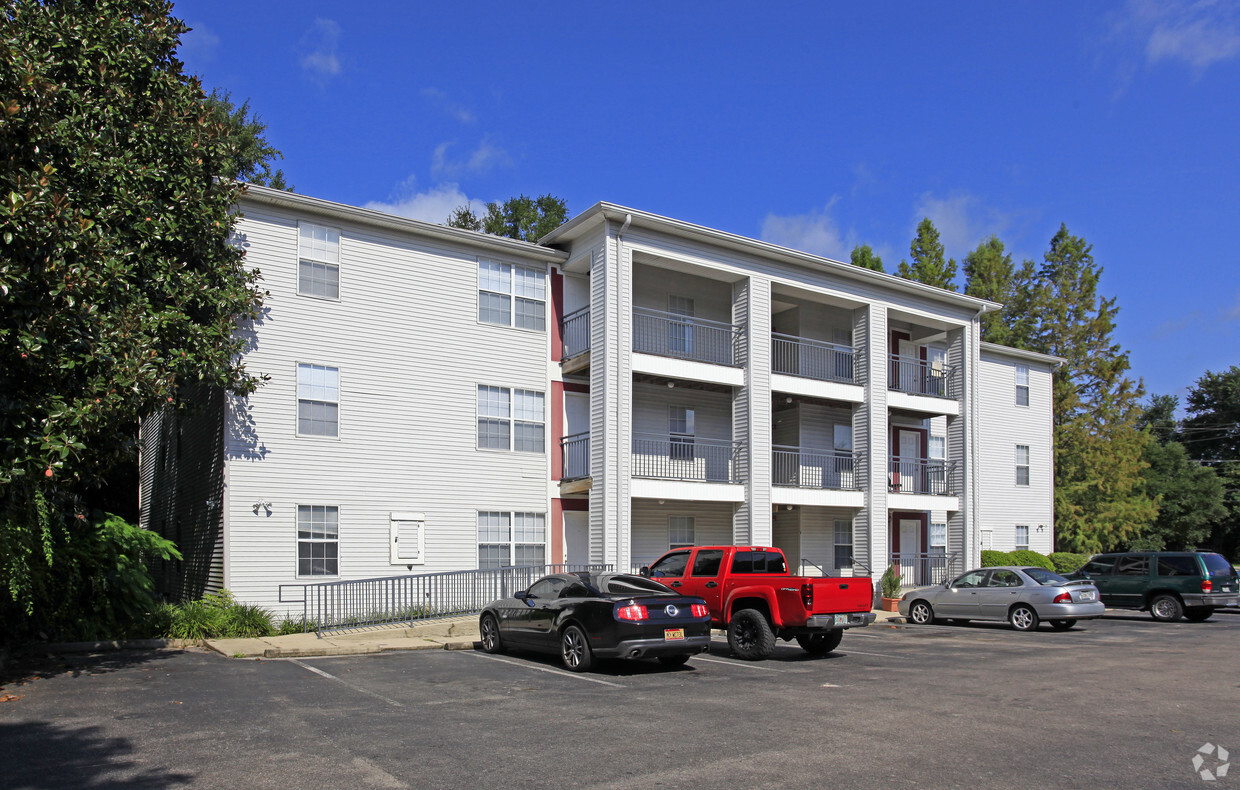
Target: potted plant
[(889, 583)]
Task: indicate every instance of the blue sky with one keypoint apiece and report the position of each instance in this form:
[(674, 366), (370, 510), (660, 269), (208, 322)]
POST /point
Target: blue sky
[(815, 125)]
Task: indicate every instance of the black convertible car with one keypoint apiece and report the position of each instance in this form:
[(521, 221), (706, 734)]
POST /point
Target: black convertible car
[(583, 616)]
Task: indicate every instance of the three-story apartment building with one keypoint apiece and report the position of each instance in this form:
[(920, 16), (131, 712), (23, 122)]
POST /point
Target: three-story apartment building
[(441, 400)]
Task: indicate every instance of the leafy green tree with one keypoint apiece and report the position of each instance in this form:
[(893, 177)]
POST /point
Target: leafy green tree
[(252, 154), (1190, 498), (118, 279), (1211, 434), (864, 257), (1100, 501), (929, 265), (521, 217), (989, 274)]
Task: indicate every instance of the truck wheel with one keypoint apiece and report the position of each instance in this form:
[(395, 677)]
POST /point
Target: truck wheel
[(750, 635), (820, 644), (1166, 608)]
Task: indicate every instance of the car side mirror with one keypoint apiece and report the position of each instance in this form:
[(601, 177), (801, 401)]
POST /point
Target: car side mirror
[(522, 594), (645, 571)]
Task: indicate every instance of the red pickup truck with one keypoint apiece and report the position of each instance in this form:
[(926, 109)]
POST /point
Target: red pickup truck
[(752, 596)]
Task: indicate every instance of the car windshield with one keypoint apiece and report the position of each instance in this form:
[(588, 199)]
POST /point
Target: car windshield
[(1217, 566), (626, 584), (1043, 576)]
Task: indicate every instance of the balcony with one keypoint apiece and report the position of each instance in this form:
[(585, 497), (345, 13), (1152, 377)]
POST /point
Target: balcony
[(919, 569), (803, 468), (814, 359), (575, 333), (932, 478), (684, 337), (688, 458), (919, 377), (575, 457)]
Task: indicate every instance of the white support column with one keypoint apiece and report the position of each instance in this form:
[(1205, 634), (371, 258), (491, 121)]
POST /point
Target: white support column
[(751, 412), (870, 433)]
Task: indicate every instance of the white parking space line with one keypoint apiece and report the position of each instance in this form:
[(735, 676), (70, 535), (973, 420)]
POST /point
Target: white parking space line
[(863, 653), (347, 684), (744, 664), (545, 669)]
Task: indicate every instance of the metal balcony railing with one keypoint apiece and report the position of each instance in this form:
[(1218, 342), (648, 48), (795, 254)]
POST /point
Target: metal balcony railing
[(331, 606), (919, 377), (923, 569), (804, 468), (934, 477), (575, 456), (685, 337), (686, 458), (813, 359), (575, 333)]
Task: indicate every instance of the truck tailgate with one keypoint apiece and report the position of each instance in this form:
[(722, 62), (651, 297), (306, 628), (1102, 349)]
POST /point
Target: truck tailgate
[(843, 594)]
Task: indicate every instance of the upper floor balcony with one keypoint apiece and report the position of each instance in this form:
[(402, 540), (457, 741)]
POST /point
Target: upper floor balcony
[(667, 334), (927, 477), (689, 458), (932, 378), (814, 359), (575, 333), (802, 467)]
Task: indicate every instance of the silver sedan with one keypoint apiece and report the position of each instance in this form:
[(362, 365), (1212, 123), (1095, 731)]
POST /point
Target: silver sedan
[(1022, 596)]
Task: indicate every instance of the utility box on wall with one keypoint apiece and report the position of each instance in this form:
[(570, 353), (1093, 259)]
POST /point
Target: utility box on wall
[(407, 538)]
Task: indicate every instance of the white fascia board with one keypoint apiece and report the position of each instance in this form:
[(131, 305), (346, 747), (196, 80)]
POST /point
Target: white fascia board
[(685, 490), (923, 403), (814, 388), (816, 497), (922, 502), (267, 196), (1020, 353)]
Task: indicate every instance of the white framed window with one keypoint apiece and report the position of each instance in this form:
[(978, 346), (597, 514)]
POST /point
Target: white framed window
[(1022, 464), (318, 261), (511, 538), (841, 438), (1022, 385), (318, 540), (1022, 538), (843, 544), (680, 531), (511, 419), (680, 332), (680, 430), (512, 295), (938, 539), (407, 538), (318, 400), (937, 449)]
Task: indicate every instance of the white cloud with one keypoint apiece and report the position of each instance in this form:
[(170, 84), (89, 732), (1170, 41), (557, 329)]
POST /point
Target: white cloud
[(961, 220), (432, 205), (816, 233), (1197, 32), (321, 40), (450, 106), (199, 45), (486, 157)]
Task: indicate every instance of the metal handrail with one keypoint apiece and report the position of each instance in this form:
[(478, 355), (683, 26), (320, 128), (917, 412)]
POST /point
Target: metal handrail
[(815, 359), (694, 458), (919, 569), (575, 333), (805, 468), (354, 603), (920, 377), (686, 337), (918, 476), (575, 456)]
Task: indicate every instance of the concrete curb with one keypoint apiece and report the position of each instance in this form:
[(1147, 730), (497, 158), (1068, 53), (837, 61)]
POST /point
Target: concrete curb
[(98, 647)]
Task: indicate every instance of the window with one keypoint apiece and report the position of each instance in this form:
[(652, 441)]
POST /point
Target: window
[(1022, 464), (318, 540), (680, 332), (758, 562), (506, 538), (1022, 385), (1022, 538), (511, 295), (671, 565), (938, 540), (1177, 566), (843, 544), (318, 400), (318, 266), (1099, 566), (511, 419), (680, 427), (546, 588), (679, 532), (1003, 578), (708, 562), (1133, 565)]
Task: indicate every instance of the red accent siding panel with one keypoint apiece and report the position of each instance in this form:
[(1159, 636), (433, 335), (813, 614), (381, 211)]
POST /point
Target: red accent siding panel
[(557, 431), (557, 313)]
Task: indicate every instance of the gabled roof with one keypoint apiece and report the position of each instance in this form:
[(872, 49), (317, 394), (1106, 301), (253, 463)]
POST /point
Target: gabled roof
[(1020, 353), (586, 221)]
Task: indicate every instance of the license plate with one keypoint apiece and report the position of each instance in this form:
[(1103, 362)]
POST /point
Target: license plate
[(841, 619), (673, 633), (1086, 596), (1226, 589)]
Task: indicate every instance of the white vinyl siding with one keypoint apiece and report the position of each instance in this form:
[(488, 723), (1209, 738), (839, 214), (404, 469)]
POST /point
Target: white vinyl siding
[(318, 540), (318, 400), (511, 419), (318, 267), (511, 295)]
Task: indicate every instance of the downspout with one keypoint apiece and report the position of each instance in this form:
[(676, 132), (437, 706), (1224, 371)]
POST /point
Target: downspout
[(974, 501), (622, 506)]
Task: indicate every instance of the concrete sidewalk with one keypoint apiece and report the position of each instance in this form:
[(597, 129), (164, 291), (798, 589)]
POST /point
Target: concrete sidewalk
[(456, 633)]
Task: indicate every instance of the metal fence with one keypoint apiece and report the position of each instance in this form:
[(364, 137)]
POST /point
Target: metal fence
[(332, 606), (921, 377), (685, 458), (575, 331), (937, 478), (575, 460), (803, 468), (814, 359), (922, 569), (685, 337)]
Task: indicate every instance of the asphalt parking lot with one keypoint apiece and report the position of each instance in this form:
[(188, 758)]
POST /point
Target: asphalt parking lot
[(1119, 702)]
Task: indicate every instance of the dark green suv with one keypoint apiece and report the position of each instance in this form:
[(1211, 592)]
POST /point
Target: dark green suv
[(1169, 584)]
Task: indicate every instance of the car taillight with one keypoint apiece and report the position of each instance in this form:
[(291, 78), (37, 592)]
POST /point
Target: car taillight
[(700, 610), (1206, 585), (807, 596), (1063, 598), (632, 611)]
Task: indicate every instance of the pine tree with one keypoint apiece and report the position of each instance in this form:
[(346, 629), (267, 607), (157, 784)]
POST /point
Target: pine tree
[(864, 257), (929, 265), (989, 274)]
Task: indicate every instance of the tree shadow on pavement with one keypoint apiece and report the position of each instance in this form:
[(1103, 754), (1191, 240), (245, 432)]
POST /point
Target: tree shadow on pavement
[(42, 756)]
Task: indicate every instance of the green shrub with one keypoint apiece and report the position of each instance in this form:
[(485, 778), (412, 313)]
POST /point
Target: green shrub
[(158, 621), (1066, 561), (991, 558), (290, 626), (1032, 559), (889, 583), (197, 620), (247, 621)]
